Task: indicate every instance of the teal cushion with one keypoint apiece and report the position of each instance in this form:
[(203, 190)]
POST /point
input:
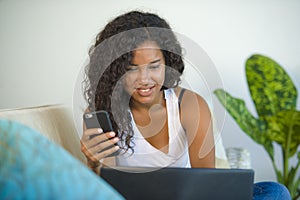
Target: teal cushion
[(32, 167)]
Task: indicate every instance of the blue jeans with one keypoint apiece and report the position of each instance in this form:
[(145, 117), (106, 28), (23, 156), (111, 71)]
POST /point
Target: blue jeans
[(270, 191)]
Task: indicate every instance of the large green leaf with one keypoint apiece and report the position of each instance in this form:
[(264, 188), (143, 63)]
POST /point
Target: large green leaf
[(284, 128), (275, 97), (271, 88), (255, 128)]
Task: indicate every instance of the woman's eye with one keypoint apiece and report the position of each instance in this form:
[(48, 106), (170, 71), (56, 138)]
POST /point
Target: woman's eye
[(132, 68), (154, 66)]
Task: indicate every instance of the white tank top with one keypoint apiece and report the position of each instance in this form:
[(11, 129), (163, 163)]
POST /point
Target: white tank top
[(145, 155)]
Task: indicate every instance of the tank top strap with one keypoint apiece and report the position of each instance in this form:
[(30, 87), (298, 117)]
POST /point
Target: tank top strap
[(180, 96)]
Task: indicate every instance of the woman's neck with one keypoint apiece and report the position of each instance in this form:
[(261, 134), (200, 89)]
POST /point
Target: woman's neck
[(145, 107), (151, 120)]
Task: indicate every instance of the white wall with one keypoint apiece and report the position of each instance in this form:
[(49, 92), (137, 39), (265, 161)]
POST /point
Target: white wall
[(44, 44)]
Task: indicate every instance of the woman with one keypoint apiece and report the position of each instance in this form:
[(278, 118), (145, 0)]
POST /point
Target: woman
[(134, 72)]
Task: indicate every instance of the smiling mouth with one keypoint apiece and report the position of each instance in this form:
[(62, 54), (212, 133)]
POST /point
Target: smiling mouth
[(145, 91)]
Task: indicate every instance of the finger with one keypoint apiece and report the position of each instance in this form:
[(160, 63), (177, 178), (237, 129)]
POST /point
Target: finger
[(89, 154), (103, 145), (96, 139), (92, 131), (110, 134), (85, 151), (93, 146), (106, 153)]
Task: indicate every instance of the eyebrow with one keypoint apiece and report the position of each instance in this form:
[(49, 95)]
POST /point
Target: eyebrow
[(155, 61)]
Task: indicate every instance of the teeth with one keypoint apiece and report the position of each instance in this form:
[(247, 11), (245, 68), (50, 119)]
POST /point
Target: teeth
[(145, 90)]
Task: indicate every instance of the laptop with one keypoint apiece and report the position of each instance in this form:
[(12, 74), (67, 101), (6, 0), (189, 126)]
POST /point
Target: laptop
[(180, 183)]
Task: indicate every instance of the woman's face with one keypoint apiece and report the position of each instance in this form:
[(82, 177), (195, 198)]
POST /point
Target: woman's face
[(146, 73)]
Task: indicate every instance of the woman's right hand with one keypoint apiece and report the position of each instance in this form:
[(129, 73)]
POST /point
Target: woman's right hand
[(94, 148)]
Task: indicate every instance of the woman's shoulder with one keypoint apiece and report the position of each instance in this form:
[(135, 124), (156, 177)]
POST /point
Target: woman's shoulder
[(190, 101), (187, 94), (191, 105)]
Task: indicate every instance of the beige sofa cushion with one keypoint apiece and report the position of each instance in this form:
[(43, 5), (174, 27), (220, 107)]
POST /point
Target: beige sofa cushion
[(57, 124), (53, 121)]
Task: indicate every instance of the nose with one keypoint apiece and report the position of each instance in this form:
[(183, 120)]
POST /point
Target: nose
[(143, 75)]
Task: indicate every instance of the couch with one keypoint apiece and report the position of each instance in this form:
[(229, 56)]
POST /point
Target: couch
[(56, 123)]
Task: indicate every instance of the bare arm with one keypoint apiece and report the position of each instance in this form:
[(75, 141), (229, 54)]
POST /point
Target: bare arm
[(197, 122)]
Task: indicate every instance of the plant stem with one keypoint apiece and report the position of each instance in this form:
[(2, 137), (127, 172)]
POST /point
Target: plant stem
[(286, 152), (285, 166), (278, 173), (297, 196)]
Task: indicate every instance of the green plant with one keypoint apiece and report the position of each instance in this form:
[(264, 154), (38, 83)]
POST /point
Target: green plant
[(275, 96)]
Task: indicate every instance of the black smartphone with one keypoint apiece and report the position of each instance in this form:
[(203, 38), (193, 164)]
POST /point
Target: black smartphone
[(99, 119)]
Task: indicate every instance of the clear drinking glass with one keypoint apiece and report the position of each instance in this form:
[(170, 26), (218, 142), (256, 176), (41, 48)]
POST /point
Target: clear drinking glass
[(238, 158)]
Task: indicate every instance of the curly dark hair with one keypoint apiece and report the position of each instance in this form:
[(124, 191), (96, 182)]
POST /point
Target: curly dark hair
[(111, 55)]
